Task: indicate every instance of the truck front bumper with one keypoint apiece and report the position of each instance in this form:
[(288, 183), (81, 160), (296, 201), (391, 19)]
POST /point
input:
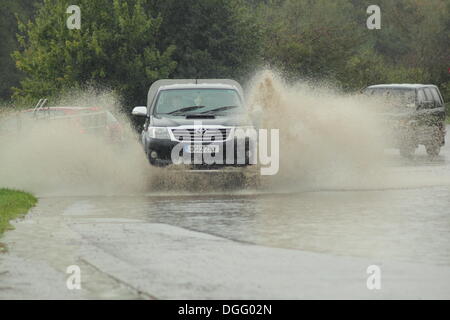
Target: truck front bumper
[(233, 153)]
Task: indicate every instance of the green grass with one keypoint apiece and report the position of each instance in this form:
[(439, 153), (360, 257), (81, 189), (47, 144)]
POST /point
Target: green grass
[(13, 204)]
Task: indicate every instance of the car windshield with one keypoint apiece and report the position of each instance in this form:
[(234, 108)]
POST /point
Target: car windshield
[(195, 101), (395, 95)]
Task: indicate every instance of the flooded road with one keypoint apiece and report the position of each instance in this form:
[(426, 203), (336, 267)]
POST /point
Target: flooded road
[(313, 243)]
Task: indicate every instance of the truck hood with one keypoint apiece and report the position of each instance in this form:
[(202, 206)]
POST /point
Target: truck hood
[(232, 120)]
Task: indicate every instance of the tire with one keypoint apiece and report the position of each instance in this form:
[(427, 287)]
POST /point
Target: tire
[(407, 151), (442, 133), (152, 162), (433, 150), (433, 147)]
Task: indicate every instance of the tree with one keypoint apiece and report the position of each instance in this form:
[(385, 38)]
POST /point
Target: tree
[(214, 38), (9, 75), (310, 39), (115, 48), (329, 40)]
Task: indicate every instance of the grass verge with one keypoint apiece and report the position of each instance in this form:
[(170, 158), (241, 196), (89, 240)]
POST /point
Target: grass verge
[(13, 204)]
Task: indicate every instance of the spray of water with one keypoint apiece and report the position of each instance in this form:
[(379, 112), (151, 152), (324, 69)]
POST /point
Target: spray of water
[(55, 157), (328, 140), (52, 157)]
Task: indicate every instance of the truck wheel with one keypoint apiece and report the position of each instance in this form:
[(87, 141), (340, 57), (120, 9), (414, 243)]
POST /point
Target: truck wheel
[(442, 133), (433, 149), (152, 162), (407, 151)]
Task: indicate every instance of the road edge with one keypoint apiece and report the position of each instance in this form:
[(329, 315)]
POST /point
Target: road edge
[(13, 204)]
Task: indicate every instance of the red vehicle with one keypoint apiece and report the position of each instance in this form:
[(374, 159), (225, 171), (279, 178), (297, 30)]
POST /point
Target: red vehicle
[(93, 120)]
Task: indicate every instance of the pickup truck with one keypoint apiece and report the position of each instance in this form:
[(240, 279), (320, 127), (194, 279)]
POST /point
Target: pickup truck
[(197, 120)]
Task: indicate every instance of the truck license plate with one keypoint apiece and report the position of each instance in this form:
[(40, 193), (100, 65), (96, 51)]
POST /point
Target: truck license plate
[(201, 148)]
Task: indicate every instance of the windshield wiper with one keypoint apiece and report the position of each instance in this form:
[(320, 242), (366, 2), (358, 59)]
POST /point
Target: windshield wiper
[(185, 109), (220, 109)]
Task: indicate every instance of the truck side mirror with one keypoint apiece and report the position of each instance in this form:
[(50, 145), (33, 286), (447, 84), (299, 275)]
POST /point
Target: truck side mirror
[(140, 111)]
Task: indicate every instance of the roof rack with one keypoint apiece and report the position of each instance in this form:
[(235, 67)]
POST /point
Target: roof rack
[(39, 106)]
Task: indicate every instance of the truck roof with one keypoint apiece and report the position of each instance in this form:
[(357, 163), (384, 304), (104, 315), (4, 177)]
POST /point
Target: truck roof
[(199, 86), (401, 86)]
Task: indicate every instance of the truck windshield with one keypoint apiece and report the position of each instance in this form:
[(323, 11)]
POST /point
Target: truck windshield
[(194, 101), (393, 94)]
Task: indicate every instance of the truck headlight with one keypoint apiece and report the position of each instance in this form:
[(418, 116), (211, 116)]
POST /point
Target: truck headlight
[(158, 133)]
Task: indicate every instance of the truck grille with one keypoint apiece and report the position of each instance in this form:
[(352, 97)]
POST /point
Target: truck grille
[(201, 134)]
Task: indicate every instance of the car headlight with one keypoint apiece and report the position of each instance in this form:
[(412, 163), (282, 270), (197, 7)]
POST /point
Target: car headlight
[(158, 132)]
